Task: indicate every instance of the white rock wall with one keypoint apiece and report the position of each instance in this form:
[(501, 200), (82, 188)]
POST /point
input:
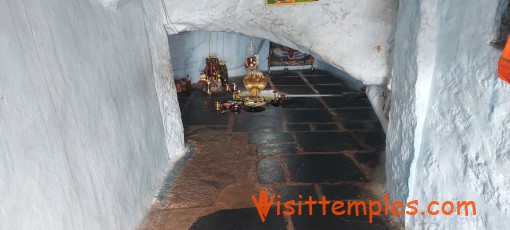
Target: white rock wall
[(82, 142), (449, 129), (113, 4), (344, 33), (402, 122), (164, 79)]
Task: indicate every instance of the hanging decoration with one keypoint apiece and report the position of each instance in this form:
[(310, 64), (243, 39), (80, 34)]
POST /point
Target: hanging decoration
[(254, 81)]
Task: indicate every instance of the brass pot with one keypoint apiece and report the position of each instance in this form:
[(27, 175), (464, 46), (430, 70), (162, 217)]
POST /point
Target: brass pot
[(255, 82), (251, 63)]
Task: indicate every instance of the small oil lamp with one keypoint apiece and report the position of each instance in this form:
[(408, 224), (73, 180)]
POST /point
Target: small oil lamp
[(227, 87), (218, 105), (236, 107)]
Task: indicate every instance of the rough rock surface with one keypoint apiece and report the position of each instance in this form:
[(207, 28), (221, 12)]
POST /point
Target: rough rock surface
[(113, 4), (163, 79), (448, 133), (82, 142), (355, 35)]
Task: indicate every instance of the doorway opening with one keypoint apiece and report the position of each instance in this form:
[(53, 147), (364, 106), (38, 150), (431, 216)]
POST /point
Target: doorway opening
[(325, 140)]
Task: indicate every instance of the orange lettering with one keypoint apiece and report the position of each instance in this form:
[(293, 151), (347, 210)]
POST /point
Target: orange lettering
[(412, 205), (445, 211), (324, 202), (429, 208), (351, 204), (289, 205), (371, 211), (310, 202), (466, 204), (263, 204), (335, 207), (395, 206)]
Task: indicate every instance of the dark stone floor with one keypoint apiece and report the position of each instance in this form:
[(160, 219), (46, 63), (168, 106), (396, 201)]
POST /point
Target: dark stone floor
[(312, 145)]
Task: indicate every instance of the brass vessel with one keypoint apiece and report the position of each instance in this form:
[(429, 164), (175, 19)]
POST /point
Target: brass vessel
[(255, 82), (251, 63)]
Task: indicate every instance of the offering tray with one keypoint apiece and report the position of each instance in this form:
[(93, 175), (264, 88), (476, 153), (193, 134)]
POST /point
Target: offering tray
[(254, 101)]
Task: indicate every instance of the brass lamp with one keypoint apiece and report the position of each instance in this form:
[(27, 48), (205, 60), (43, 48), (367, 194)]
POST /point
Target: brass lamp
[(254, 81), (251, 63)]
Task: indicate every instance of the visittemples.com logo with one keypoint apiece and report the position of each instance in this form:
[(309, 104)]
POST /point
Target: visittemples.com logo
[(371, 208)]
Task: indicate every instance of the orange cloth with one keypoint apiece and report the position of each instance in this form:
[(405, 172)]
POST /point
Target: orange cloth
[(504, 63)]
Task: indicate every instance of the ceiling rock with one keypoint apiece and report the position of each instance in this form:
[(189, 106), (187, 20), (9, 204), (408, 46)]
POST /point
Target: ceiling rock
[(112, 4), (353, 35)]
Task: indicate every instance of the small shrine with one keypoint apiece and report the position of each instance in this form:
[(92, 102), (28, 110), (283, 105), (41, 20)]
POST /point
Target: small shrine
[(215, 75), (215, 79)]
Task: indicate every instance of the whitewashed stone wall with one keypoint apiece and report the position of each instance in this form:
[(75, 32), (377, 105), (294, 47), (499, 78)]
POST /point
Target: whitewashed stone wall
[(82, 141), (449, 131)]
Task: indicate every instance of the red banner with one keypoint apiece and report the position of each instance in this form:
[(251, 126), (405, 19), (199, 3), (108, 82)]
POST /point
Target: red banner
[(504, 64)]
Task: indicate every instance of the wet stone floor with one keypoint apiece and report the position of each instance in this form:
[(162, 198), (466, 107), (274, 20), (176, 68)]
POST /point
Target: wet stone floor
[(324, 141)]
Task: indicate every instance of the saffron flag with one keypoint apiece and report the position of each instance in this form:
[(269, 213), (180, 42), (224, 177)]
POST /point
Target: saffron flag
[(504, 63)]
